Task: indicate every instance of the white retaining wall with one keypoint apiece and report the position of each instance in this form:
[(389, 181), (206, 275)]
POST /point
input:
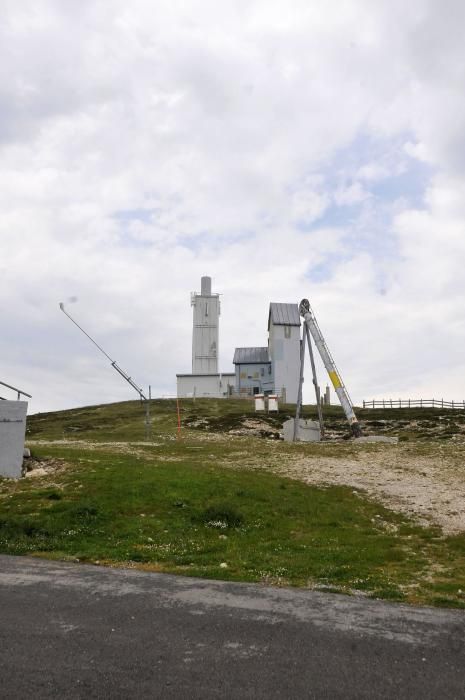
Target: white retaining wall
[(12, 434), (205, 385)]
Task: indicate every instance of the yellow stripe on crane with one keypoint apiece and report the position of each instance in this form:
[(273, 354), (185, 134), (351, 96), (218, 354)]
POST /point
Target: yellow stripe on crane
[(335, 380)]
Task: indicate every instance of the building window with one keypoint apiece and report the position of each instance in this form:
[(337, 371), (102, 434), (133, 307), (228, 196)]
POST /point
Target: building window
[(287, 331), (262, 371)]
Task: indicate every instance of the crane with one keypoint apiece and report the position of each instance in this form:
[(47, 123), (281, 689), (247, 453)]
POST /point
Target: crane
[(311, 325)]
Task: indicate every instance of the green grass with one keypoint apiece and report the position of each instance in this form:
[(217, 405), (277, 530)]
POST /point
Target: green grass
[(180, 517), (174, 506)]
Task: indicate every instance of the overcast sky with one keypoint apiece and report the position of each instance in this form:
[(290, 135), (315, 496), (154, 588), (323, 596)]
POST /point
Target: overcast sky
[(287, 149)]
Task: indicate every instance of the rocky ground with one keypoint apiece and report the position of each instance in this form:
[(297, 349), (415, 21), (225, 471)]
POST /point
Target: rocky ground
[(429, 485), (447, 425)]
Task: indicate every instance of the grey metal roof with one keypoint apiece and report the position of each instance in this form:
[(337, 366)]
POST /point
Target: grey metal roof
[(250, 356), (284, 314)]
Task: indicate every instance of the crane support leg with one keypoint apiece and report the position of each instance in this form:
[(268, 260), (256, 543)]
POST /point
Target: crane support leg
[(301, 381), (315, 383), (336, 379)]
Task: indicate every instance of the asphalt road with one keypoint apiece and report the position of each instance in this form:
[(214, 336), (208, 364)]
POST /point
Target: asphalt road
[(75, 631)]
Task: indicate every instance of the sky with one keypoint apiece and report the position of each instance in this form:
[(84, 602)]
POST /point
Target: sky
[(286, 148)]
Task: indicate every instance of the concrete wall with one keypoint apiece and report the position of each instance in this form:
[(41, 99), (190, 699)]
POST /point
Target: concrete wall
[(12, 434), (204, 385), (284, 348)]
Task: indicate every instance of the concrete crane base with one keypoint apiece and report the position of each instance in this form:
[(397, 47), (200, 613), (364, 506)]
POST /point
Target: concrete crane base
[(308, 431)]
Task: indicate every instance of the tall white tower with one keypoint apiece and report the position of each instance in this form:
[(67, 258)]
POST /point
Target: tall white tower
[(205, 331)]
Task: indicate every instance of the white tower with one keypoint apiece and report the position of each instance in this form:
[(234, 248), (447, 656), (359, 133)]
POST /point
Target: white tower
[(205, 331)]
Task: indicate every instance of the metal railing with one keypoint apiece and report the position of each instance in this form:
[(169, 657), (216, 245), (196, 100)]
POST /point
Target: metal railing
[(19, 392), (414, 403)]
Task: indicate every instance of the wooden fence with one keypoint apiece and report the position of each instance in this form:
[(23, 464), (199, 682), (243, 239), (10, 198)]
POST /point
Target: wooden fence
[(414, 403)]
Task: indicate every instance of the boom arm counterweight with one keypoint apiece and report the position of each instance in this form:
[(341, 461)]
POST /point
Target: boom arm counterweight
[(336, 379)]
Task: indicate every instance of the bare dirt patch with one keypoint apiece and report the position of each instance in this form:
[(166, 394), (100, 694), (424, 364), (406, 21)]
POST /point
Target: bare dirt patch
[(428, 483), (35, 468)]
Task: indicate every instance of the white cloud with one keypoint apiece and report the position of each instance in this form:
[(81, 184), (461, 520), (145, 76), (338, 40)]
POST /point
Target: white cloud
[(372, 172), (351, 194), (144, 145)]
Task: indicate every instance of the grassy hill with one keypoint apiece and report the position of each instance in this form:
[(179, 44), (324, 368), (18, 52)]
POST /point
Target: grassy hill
[(218, 502), (125, 421)]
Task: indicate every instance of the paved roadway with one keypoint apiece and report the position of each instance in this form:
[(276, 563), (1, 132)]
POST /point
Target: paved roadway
[(75, 631)]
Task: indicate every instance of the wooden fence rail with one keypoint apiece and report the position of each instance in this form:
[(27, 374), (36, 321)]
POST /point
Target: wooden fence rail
[(414, 403)]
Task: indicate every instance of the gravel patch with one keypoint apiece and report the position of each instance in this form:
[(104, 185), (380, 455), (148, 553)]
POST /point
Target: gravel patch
[(429, 486)]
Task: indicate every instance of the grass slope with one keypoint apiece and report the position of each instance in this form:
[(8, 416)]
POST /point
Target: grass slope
[(170, 506), (125, 421)]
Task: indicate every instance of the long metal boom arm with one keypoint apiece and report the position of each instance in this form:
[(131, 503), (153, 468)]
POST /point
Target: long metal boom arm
[(62, 307), (336, 379), (113, 362), (129, 380)]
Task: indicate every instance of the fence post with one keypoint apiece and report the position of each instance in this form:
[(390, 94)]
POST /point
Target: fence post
[(179, 418), (409, 403), (363, 403)]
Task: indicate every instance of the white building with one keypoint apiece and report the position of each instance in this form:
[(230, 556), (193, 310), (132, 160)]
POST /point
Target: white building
[(258, 370), (205, 379), (284, 348), (215, 386), (276, 368)]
